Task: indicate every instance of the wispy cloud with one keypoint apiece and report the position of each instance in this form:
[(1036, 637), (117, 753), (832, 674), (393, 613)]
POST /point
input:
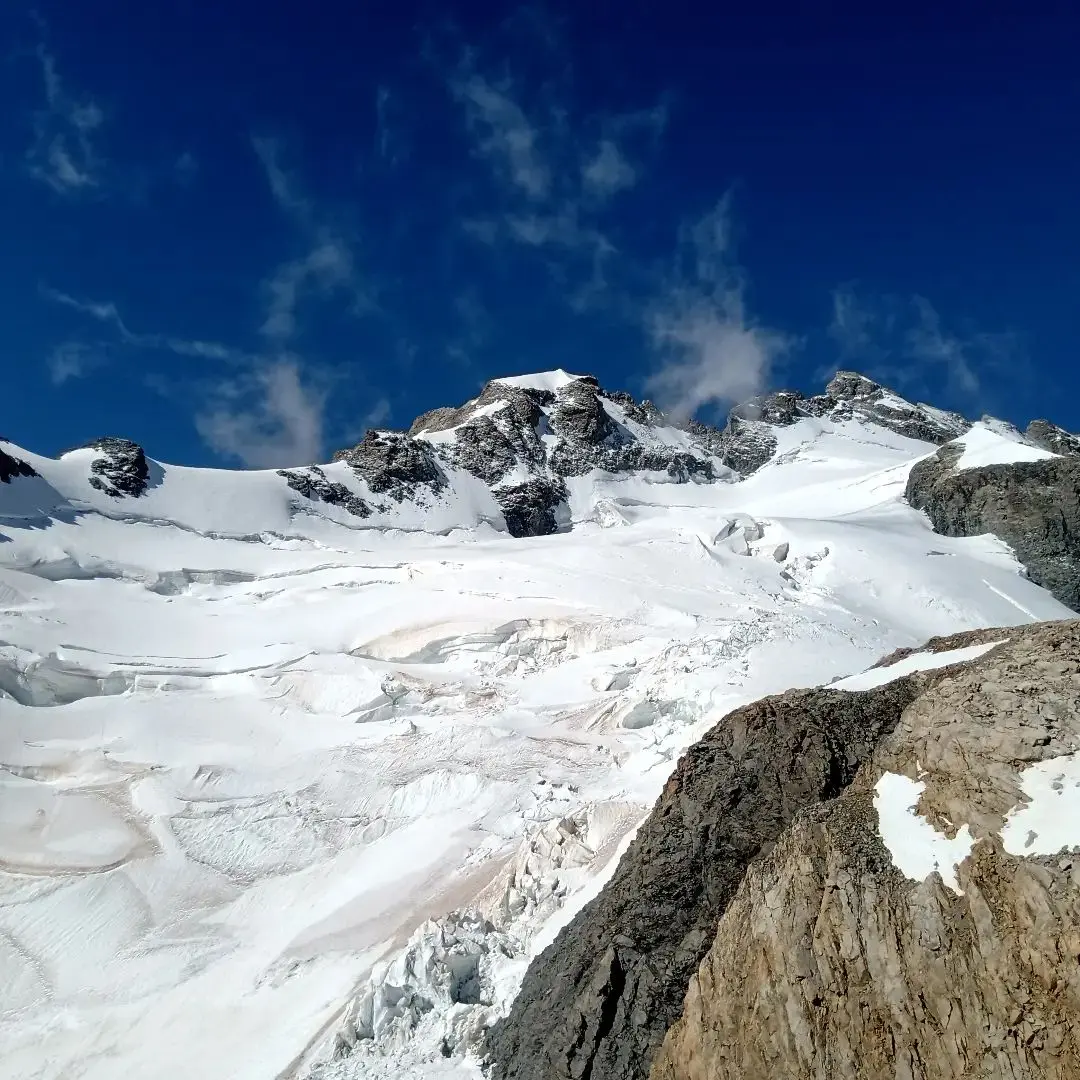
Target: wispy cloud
[(554, 169), (504, 134), (282, 185), (105, 311), (710, 350), (63, 154), (905, 341), (391, 139), (607, 171), (268, 411), (267, 418), (928, 342), (326, 267), (73, 360), (269, 408)]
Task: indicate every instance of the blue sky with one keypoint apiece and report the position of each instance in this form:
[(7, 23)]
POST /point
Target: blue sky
[(240, 233)]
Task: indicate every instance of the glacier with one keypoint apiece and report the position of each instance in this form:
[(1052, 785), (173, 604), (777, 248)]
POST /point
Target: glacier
[(294, 791)]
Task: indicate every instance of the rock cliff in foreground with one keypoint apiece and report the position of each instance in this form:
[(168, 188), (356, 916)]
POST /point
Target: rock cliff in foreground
[(772, 918)]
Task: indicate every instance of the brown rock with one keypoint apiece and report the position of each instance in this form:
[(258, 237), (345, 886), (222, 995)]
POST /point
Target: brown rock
[(829, 963)]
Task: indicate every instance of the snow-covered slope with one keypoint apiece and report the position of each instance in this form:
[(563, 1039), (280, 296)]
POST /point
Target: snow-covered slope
[(315, 759), (993, 442)]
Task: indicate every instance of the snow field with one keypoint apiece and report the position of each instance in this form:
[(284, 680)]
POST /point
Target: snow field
[(286, 795)]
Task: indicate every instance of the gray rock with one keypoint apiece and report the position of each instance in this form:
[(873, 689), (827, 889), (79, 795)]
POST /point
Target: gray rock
[(747, 445), (642, 412), (748, 440), (490, 447), (534, 508), (780, 552), (312, 484), (829, 962), (508, 431), (11, 467), (850, 395), (1053, 438), (393, 464), (780, 408), (121, 470), (1034, 506)]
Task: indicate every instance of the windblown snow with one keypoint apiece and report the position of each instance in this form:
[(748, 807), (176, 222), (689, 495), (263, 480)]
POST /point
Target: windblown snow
[(291, 793)]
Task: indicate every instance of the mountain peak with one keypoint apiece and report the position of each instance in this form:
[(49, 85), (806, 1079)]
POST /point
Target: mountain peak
[(550, 381)]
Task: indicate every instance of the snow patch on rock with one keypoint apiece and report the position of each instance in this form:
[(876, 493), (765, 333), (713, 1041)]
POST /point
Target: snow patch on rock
[(1049, 822), (917, 848), (919, 661)]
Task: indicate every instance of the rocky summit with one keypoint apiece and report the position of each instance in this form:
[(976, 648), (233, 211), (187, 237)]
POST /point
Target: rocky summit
[(525, 437)]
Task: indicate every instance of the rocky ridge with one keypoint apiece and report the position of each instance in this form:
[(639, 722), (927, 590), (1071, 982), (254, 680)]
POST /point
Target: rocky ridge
[(525, 438), (597, 1002), (750, 442), (758, 926), (1053, 438), (11, 467)]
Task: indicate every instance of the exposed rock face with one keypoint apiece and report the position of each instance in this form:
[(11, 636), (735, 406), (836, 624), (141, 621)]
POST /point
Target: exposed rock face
[(763, 860), (313, 484), (11, 467), (1034, 506), (850, 395), (121, 470), (749, 439), (829, 962), (597, 1002), (393, 464), (535, 508), (523, 441), (1053, 438)]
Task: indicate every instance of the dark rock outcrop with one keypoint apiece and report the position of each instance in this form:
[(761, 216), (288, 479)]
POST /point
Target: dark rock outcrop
[(121, 470), (524, 442), (1053, 438), (830, 962), (596, 1004), (748, 440), (11, 467), (489, 447), (1034, 506), (394, 465), (850, 395), (312, 484), (534, 508)]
